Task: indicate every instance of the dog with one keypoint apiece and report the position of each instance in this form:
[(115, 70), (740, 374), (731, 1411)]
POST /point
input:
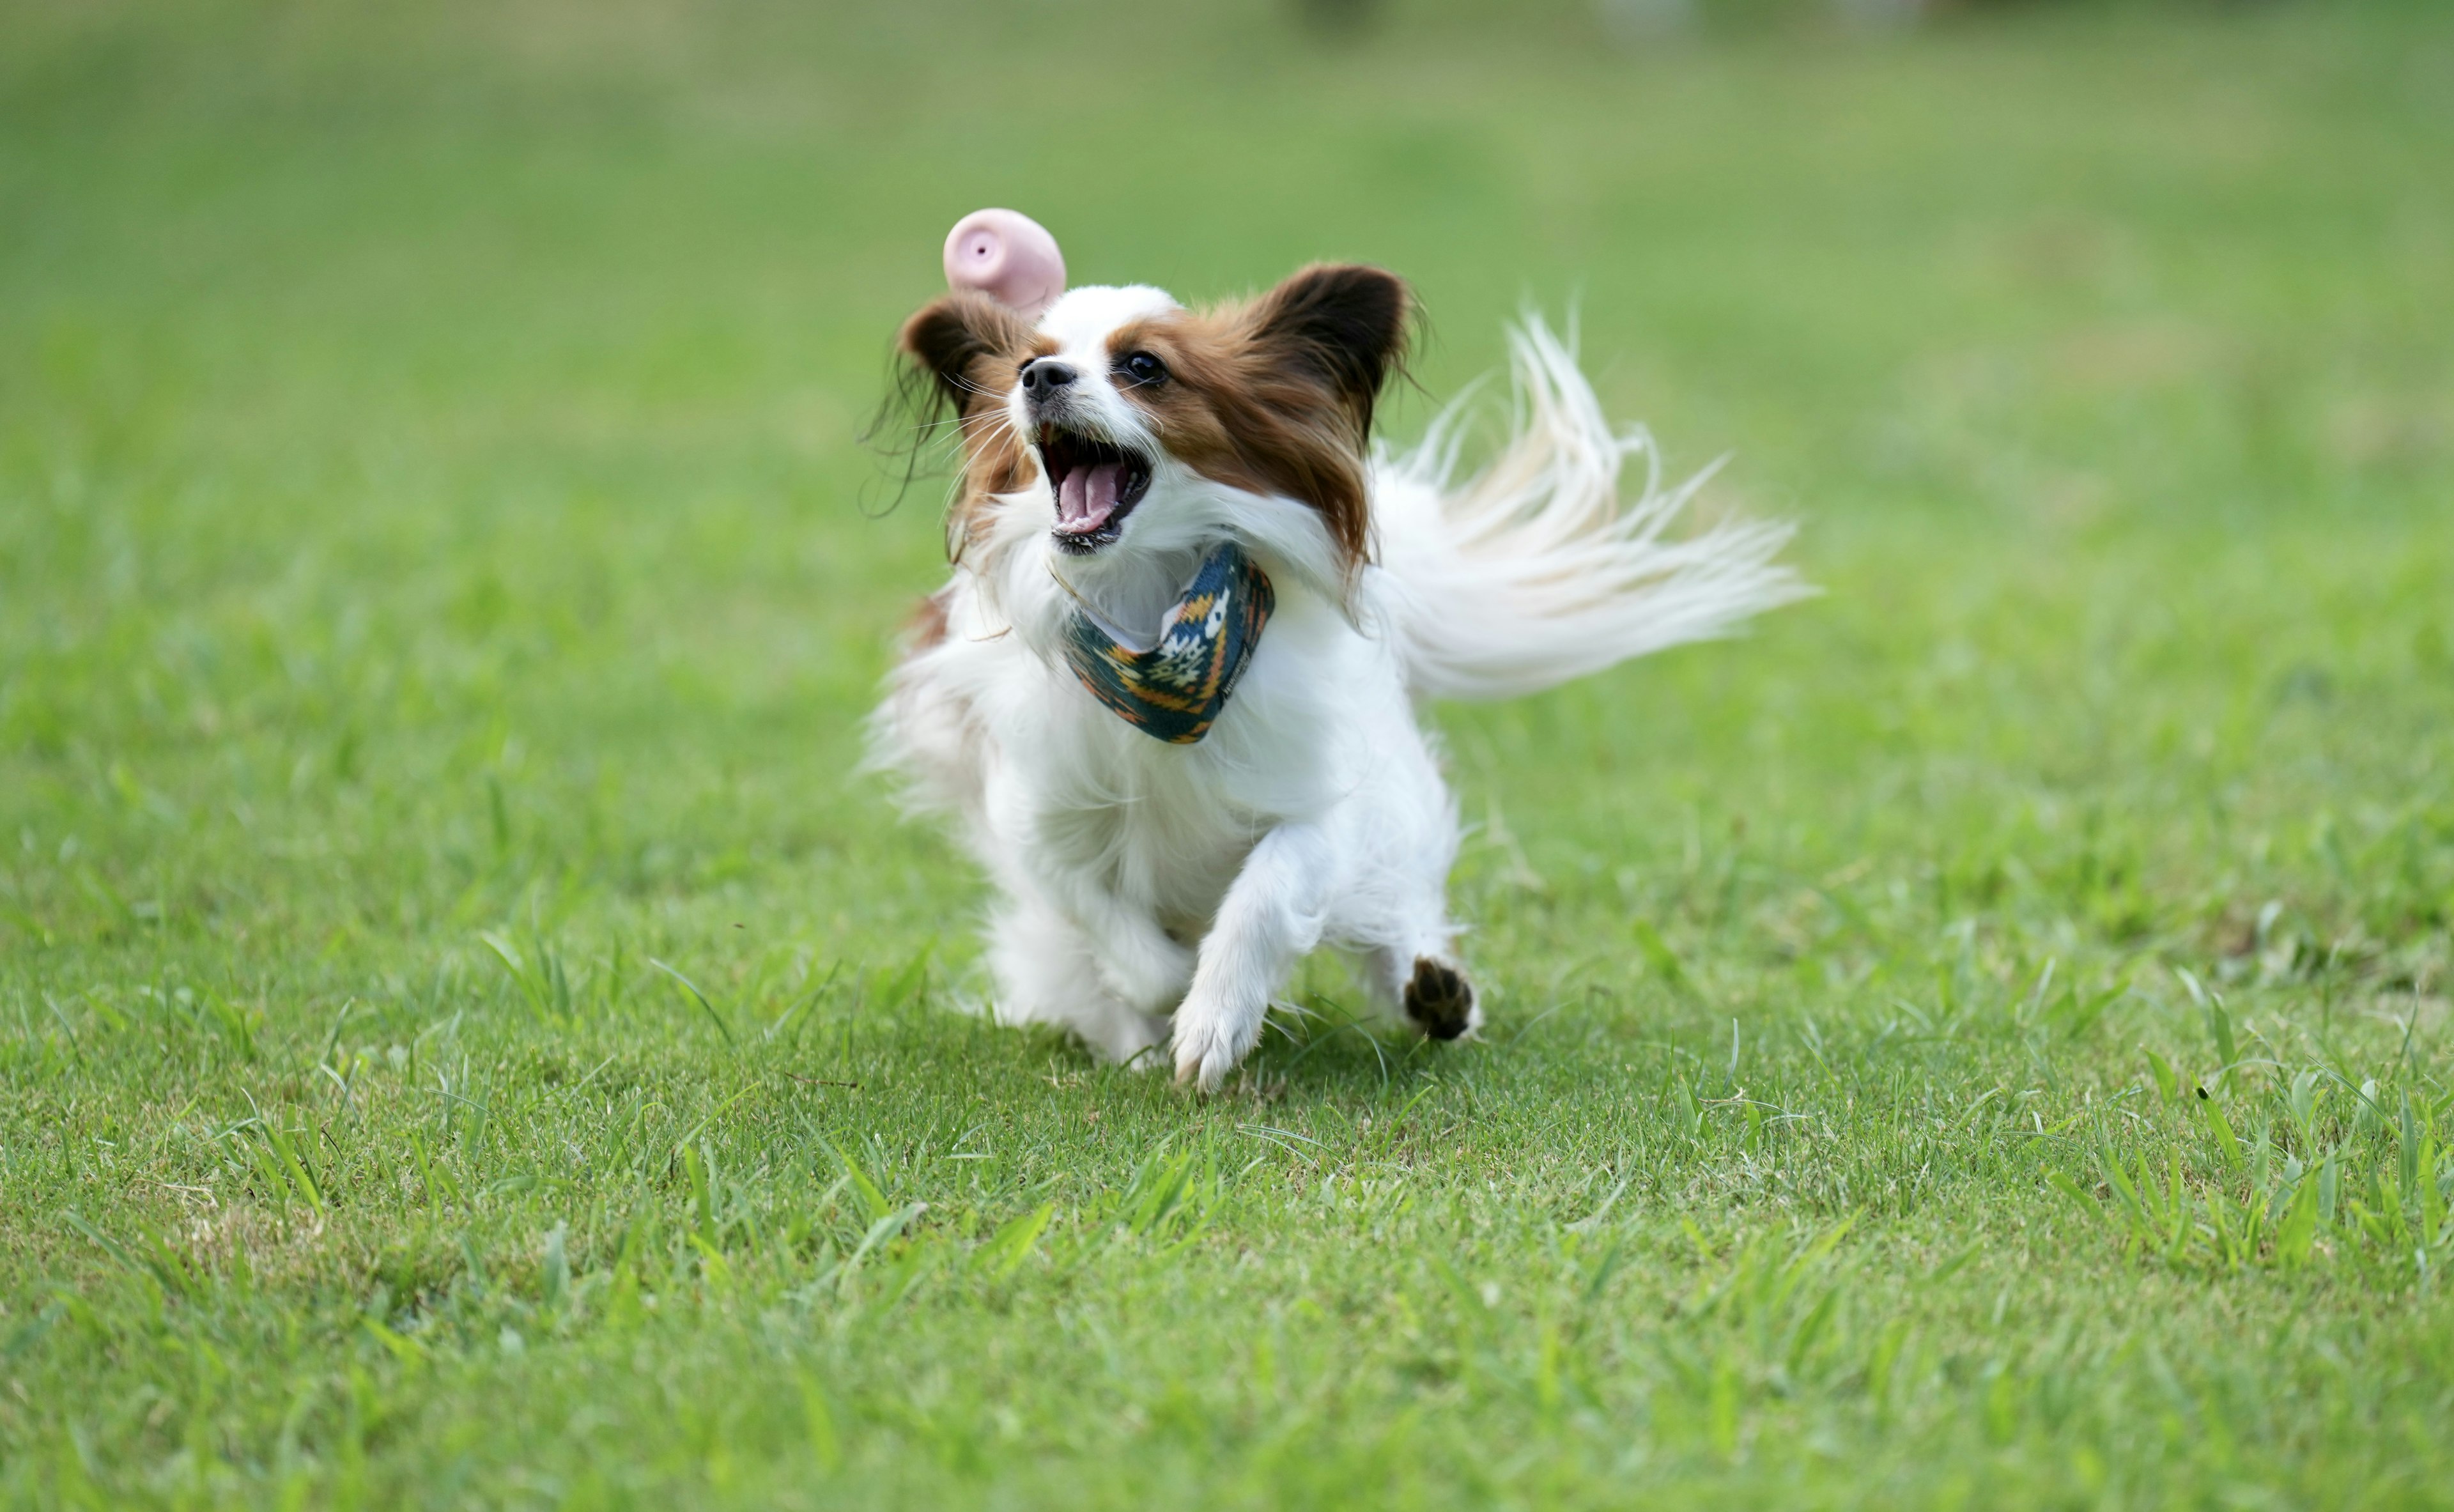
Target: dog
[(1171, 695)]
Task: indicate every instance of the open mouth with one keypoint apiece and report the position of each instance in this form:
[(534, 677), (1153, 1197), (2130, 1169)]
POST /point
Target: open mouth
[(1097, 484)]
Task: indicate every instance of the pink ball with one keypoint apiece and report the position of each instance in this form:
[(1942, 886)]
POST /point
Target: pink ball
[(1007, 255)]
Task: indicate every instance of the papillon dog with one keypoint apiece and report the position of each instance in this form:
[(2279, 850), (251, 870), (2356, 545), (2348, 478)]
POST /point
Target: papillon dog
[(1172, 696)]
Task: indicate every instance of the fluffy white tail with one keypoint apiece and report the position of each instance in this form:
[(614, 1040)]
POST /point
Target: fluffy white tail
[(1536, 570)]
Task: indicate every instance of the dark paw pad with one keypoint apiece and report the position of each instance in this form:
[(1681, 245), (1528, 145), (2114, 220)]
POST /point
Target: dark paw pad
[(1440, 1000)]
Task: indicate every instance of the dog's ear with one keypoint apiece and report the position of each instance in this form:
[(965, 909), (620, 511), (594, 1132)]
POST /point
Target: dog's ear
[(960, 342), (1345, 324), (960, 354)]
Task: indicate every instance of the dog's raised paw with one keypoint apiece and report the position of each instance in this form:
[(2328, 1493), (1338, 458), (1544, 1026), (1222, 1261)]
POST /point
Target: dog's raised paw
[(1440, 1000)]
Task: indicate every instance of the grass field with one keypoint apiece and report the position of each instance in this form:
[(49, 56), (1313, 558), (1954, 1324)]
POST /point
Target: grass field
[(470, 1037)]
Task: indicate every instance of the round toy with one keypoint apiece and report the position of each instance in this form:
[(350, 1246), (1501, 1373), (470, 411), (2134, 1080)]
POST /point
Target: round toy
[(1008, 256)]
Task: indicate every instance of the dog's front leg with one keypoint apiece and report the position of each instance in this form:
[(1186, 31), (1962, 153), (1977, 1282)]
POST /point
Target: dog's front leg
[(1271, 917)]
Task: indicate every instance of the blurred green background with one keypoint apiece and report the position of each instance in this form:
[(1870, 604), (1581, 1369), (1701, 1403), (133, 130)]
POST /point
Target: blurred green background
[(395, 400), (432, 506)]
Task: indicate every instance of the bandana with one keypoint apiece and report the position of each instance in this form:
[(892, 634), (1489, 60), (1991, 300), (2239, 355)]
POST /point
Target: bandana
[(1174, 691)]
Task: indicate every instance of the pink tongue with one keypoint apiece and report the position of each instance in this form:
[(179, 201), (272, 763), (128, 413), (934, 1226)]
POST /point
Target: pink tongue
[(1088, 496)]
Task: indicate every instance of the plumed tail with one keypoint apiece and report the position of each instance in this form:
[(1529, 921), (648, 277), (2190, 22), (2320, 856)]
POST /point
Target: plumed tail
[(1535, 569)]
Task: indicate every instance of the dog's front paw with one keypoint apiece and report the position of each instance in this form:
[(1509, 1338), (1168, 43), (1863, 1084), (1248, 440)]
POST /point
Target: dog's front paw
[(1210, 1038)]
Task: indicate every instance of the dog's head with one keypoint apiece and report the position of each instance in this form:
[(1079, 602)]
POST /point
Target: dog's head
[(1128, 418)]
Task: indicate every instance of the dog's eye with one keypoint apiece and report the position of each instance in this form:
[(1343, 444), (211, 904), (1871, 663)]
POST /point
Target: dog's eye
[(1143, 368)]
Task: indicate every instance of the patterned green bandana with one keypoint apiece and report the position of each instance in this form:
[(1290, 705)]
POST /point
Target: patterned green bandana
[(1174, 691)]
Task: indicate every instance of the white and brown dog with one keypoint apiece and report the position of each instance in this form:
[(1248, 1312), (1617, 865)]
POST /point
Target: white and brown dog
[(1161, 507)]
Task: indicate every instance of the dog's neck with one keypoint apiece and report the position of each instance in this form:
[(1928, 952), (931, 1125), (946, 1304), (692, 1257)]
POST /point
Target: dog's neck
[(1127, 597)]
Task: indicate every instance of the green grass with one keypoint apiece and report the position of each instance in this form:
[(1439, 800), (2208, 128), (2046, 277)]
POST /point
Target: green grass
[(468, 1036)]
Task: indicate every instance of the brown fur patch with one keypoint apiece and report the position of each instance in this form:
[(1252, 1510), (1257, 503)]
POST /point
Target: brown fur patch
[(1439, 998), (926, 628), (1275, 395)]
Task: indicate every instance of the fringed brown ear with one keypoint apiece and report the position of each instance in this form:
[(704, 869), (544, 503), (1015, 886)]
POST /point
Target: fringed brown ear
[(962, 352), (1346, 323), (959, 341)]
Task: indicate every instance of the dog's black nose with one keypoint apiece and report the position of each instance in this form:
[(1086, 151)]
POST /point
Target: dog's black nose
[(1044, 375)]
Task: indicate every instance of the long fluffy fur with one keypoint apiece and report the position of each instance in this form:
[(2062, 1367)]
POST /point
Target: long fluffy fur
[(1539, 569)]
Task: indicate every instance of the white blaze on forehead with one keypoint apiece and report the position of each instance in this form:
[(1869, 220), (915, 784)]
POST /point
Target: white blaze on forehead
[(1080, 324), (1081, 321)]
